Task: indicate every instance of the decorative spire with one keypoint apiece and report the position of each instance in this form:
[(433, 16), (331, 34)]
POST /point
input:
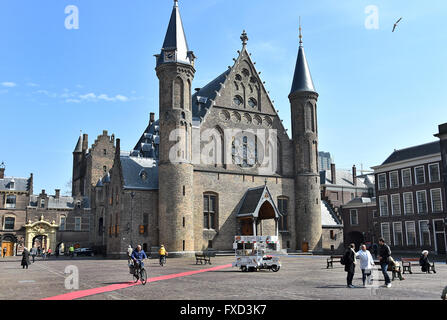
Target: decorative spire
[(244, 38), (78, 147), (175, 47), (302, 79)]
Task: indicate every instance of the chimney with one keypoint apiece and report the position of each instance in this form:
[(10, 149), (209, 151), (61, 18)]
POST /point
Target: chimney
[(84, 142), (30, 184), (333, 174), (197, 89), (151, 118), (2, 170), (43, 193), (354, 175), (118, 147), (58, 193)]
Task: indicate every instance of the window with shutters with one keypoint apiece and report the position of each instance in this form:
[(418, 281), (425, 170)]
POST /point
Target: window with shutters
[(421, 197), (436, 200), (385, 230), (408, 203), (383, 206), (419, 175), (382, 181), (433, 172), (411, 233), (395, 205), (397, 233), (406, 177), (394, 180), (424, 233)]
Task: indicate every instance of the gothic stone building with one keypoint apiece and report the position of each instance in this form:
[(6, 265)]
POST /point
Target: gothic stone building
[(217, 163)]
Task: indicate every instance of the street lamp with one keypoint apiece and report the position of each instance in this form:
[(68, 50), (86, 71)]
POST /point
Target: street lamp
[(132, 195)]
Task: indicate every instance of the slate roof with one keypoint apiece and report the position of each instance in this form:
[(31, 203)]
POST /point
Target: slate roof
[(302, 79), (328, 216), (344, 178), (139, 173), (148, 144), (20, 184), (251, 200), (78, 147), (360, 201), (414, 152), (202, 100), (63, 202)]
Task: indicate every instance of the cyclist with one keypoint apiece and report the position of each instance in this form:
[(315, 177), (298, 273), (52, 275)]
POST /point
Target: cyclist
[(138, 255), (163, 253)]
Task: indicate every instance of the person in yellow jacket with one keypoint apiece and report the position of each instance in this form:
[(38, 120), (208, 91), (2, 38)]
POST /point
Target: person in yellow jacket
[(163, 253)]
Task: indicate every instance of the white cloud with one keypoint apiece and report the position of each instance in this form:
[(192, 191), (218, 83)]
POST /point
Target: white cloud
[(31, 84), (8, 84), (88, 96)]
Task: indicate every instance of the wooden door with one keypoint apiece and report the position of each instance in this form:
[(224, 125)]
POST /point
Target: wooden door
[(9, 248)]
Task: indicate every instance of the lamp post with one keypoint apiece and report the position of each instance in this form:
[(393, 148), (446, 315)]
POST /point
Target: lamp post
[(132, 195)]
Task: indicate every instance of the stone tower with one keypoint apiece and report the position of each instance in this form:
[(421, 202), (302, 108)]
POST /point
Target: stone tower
[(303, 103), (79, 166), (175, 71)]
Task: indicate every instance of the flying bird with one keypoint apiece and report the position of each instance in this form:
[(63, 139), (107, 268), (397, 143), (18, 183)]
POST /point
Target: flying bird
[(395, 25)]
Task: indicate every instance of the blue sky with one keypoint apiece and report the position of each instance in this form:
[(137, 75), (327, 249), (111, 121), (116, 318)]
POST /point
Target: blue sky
[(378, 90)]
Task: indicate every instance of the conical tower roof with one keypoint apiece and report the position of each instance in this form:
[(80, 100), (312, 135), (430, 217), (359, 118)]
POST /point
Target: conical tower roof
[(175, 47), (302, 79), (78, 145)]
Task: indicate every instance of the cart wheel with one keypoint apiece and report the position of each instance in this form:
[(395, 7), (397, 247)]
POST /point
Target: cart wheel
[(275, 268), (251, 269), (244, 269)]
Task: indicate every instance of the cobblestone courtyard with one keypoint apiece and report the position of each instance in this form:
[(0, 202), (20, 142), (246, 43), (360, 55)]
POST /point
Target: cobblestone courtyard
[(300, 278)]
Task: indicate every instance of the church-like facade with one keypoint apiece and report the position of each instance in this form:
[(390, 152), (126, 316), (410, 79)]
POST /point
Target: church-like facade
[(217, 163)]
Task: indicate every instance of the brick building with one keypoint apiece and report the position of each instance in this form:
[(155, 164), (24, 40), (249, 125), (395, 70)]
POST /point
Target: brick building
[(357, 216), (210, 155), (411, 199), (14, 198)]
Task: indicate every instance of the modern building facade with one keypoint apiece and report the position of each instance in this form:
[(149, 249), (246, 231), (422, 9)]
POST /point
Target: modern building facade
[(325, 160)]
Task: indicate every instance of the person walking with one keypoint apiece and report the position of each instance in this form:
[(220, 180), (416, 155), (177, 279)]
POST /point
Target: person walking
[(366, 263), (4, 251), (384, 258), (44, 254), (33, 253), (49, 252), (25, 258), (349, 261)]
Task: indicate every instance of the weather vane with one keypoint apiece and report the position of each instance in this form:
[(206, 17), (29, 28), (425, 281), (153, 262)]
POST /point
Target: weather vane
[(301, 36), (244, 38)]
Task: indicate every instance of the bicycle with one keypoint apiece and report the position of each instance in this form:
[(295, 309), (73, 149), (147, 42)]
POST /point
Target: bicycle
[(162, 260), (139, 274)]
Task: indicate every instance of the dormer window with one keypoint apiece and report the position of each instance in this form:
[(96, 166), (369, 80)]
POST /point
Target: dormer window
[(12, 185), (42, 203), (143, 175)]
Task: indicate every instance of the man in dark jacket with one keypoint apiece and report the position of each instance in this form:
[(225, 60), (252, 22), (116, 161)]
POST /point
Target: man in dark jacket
[(25, 258), (349, 262), (384, 259)]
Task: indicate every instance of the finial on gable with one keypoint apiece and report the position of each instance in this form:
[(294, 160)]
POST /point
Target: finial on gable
[(175, 3), (301, 35), (244, 38)]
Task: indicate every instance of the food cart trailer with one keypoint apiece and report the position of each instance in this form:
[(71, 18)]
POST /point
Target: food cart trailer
[(252, 253)]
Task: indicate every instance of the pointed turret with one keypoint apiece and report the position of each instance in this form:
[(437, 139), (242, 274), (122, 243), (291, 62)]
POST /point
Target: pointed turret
[(302, 79), (175, 47), (78, 148)]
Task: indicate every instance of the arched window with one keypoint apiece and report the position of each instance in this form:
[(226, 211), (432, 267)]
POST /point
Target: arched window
[(283, 208), (179, 94), (210, 210), (309, 117), (245, 150), (189, 94)]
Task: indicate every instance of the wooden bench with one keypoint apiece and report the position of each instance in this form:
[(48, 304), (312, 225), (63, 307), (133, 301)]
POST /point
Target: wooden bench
[(205, 256), (397, 271), (330, 261), (408, 262)]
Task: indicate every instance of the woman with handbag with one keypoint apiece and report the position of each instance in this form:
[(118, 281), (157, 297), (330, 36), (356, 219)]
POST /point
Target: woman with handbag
[(366, 263)]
